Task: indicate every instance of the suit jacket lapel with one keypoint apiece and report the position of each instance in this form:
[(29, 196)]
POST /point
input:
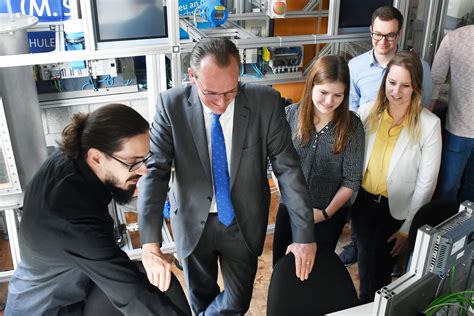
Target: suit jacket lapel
[(241, 120), (369, 144), (196, 124), (402, 143)]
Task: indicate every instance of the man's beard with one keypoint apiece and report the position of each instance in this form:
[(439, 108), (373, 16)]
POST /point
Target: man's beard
[(120, 196)]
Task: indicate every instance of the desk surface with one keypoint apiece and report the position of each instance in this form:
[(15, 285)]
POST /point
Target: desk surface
[(365, 309)]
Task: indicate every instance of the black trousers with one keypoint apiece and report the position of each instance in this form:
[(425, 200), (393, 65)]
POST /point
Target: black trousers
[(373, 225), (97, 303), (238, 265), (326, 234)]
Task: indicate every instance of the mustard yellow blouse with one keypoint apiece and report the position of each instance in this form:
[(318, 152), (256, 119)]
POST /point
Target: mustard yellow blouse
[(375, 177)]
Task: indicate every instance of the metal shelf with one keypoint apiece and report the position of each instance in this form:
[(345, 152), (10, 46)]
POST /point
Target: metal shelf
[(67, 56), (270, 78), (69, 98)]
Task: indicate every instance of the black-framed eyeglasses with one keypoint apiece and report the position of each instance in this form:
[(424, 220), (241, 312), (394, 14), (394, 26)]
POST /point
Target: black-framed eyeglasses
[(389, 37), (134, 166), (216, 95)]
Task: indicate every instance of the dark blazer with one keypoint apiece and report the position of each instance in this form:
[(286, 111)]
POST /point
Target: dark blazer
[(67, 244), (178, 138)]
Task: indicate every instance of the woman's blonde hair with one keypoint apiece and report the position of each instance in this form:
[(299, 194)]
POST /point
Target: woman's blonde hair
[(326, 69), (411, 62)]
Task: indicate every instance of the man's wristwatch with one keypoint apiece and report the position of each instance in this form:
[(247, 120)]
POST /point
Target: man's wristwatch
[(325, 214)]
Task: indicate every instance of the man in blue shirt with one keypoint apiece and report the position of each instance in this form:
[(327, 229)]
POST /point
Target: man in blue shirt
[(367, 69)]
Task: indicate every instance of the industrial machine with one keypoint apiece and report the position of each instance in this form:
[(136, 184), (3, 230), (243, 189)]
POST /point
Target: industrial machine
[(214, 12), (439, 251)]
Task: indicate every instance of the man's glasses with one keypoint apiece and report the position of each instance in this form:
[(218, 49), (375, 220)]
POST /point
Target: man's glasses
[(389, 37), (134, 166), (215, 95)]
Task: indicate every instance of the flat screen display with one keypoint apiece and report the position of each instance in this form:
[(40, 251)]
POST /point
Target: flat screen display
[(355, 15), (128, 20)]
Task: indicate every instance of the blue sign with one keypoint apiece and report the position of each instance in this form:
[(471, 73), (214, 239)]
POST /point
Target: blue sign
[(42, 42), (45, 10), (187, 7)]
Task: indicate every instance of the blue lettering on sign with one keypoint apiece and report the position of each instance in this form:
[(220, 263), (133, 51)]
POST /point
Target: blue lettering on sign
[(45, 10), (187, 7), (42, 42)]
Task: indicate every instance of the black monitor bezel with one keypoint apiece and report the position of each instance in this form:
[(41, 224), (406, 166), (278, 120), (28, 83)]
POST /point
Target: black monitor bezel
[(360, 28), (96, 28)]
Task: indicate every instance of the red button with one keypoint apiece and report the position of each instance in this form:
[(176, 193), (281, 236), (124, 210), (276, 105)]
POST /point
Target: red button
[(279, 7)]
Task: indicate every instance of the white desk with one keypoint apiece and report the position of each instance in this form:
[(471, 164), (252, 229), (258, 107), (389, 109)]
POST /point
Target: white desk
[(365, 310)]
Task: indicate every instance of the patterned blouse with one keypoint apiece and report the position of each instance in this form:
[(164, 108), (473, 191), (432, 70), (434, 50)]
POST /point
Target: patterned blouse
[(324, 171)]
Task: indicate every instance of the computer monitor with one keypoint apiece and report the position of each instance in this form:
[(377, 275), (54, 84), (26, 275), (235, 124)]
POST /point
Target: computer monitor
[(129, 23), (355, 16)]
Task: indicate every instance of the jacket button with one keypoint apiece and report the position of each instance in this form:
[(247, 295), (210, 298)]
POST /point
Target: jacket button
[(209, 198), (203, 222)]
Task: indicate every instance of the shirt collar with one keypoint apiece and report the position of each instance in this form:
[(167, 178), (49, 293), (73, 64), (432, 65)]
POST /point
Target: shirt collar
[(386, 117), (96, 186), (372, 61), (329, 125), (229, 109)]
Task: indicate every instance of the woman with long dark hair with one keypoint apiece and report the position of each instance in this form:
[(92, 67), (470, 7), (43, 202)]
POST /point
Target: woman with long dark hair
[(329, 140)]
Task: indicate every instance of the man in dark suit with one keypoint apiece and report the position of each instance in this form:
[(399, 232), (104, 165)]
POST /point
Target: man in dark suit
[(219, 135)]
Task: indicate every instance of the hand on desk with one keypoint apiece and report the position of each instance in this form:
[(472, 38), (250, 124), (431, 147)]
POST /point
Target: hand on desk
[(305, 255), (158, 268)]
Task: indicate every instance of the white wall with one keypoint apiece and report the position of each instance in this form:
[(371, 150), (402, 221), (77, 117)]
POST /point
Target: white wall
[(55, 119)]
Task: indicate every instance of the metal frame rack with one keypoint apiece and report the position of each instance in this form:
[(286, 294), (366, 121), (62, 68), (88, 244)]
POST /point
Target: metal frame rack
[(10, 193)]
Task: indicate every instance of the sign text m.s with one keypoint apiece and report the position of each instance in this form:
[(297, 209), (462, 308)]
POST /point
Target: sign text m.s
[(45, 10)]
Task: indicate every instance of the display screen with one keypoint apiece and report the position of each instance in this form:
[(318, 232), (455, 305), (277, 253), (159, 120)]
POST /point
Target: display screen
[(355, 16), (124, 20)]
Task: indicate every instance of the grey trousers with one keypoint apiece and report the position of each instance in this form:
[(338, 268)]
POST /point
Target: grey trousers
[(238, 265)]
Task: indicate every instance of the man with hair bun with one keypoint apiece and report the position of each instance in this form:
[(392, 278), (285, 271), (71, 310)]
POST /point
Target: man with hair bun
[(71, 263)]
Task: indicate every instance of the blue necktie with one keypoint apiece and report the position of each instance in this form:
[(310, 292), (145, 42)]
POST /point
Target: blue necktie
[(225, 211)]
